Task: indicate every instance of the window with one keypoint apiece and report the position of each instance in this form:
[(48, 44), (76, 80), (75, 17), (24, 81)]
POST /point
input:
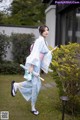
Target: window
[(78, 24), (68, 24), (66, 27)]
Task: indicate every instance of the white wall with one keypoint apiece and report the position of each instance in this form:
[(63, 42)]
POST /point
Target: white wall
[(15, 29), (8, 30), (51, 23)]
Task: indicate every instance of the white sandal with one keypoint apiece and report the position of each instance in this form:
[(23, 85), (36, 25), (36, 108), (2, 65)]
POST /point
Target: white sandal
[(35, 112)]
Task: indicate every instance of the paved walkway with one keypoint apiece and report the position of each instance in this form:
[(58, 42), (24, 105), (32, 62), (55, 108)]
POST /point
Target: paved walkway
[(48, 85)]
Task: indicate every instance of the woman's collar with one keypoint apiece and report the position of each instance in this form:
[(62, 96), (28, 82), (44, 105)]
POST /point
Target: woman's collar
[(41, 36)]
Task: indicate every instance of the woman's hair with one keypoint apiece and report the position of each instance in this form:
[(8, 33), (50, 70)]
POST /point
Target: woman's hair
[(42, 29)]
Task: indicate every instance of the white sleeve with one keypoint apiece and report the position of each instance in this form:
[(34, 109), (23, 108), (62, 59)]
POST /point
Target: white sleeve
[(34, 57)]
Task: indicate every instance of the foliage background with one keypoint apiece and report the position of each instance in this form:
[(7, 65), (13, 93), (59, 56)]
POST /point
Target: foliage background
[(20, 44), (66, 67), (4, 43), (24, 12)]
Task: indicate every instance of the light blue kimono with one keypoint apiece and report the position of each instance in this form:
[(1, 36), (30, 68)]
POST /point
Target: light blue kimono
[(30, 89)]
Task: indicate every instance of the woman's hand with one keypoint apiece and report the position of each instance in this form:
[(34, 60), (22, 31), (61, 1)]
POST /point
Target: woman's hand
[(54, 48), (31, 68)]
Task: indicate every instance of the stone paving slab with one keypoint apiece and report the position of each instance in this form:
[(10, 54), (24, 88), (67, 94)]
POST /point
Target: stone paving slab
[(48, 85)]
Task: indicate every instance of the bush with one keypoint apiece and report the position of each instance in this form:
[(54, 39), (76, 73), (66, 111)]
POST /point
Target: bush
[(66, 67), (8, 67), (20, 49), (21, 46), (4, 43)]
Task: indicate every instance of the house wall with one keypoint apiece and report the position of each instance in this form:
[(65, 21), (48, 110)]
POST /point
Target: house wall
[(51, 23)]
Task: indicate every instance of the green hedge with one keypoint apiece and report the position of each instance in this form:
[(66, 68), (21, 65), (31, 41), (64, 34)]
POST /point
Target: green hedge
[(66, 67), (21, 46), (8, 67), (20, 50), (4, 43)]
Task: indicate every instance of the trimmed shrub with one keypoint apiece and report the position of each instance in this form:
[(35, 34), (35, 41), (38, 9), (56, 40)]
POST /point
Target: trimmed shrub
[(4, 43), (21, 46), (66, 67), (8, 67)]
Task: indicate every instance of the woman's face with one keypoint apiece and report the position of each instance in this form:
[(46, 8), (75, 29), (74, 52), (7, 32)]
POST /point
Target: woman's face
[(45, 33)]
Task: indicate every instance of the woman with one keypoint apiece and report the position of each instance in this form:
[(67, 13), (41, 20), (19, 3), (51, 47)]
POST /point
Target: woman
[(30, 89)]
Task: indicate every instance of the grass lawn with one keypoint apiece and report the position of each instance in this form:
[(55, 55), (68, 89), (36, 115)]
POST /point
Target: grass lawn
[(19, 109)]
